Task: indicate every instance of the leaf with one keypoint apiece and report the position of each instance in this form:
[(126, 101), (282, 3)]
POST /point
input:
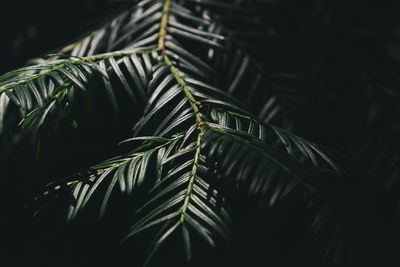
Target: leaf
[(121, 77), (4, 102), (202, 92)]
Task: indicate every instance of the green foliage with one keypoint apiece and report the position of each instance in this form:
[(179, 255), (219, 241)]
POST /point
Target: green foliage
[(204, 125)]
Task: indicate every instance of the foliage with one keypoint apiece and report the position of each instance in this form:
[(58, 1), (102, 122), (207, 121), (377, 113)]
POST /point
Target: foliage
[(203, 92)]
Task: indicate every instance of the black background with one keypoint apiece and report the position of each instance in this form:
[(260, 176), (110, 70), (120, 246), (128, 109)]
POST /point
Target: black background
[(31, 28)]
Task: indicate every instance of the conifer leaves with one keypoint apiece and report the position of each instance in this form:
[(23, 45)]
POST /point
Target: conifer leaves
[(4, 102), (196, 88), (184, 131), (39, 89)]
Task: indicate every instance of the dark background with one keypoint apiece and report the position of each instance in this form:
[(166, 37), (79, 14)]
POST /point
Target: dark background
[(31, 28)]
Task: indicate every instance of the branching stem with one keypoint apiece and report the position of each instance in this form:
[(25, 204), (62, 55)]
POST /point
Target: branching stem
[(188, 94), (163, 26), (62, 63)]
